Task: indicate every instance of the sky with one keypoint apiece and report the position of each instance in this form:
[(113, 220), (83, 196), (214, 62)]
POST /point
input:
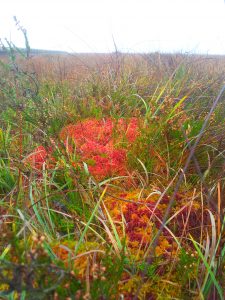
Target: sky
[(193, 26)]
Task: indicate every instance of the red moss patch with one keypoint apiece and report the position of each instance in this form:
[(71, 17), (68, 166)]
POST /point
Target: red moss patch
[(102, 144), (37, 158)]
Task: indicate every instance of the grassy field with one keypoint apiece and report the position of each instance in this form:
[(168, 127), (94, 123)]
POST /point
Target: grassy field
[(112, 171)]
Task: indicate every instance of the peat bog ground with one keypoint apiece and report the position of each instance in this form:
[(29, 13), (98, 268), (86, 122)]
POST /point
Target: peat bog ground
[(112, 176)]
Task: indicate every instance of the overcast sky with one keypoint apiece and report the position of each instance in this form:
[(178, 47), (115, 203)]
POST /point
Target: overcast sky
[(196, 26)]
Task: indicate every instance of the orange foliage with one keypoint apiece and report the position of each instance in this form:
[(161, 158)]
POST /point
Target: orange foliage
[(140, 214)]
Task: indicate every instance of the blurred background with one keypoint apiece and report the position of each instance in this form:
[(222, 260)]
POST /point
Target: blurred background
[(100, 26)]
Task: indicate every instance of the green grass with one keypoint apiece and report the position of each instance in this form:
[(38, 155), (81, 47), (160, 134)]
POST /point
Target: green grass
[(59, 238)]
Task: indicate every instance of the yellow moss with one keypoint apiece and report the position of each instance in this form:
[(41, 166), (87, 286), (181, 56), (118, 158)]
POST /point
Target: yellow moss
[(135, 244), (80, 263), (168, 289), (4, 287), (162, 248), (135, 284), (145, 290), (131, 285), (196, 205)]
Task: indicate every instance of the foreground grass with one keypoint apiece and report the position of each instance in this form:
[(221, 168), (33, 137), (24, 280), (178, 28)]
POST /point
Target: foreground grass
[(89, 165)]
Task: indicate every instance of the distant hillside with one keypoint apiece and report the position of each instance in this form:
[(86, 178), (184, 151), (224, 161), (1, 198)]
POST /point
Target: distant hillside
[(37, 52)]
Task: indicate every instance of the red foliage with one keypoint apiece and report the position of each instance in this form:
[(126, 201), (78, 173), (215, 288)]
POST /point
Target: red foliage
[(37, 158), (137, 218), (100, 131), (96, 142)]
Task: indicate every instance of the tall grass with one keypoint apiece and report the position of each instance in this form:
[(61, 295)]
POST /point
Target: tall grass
[(153, 231)]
